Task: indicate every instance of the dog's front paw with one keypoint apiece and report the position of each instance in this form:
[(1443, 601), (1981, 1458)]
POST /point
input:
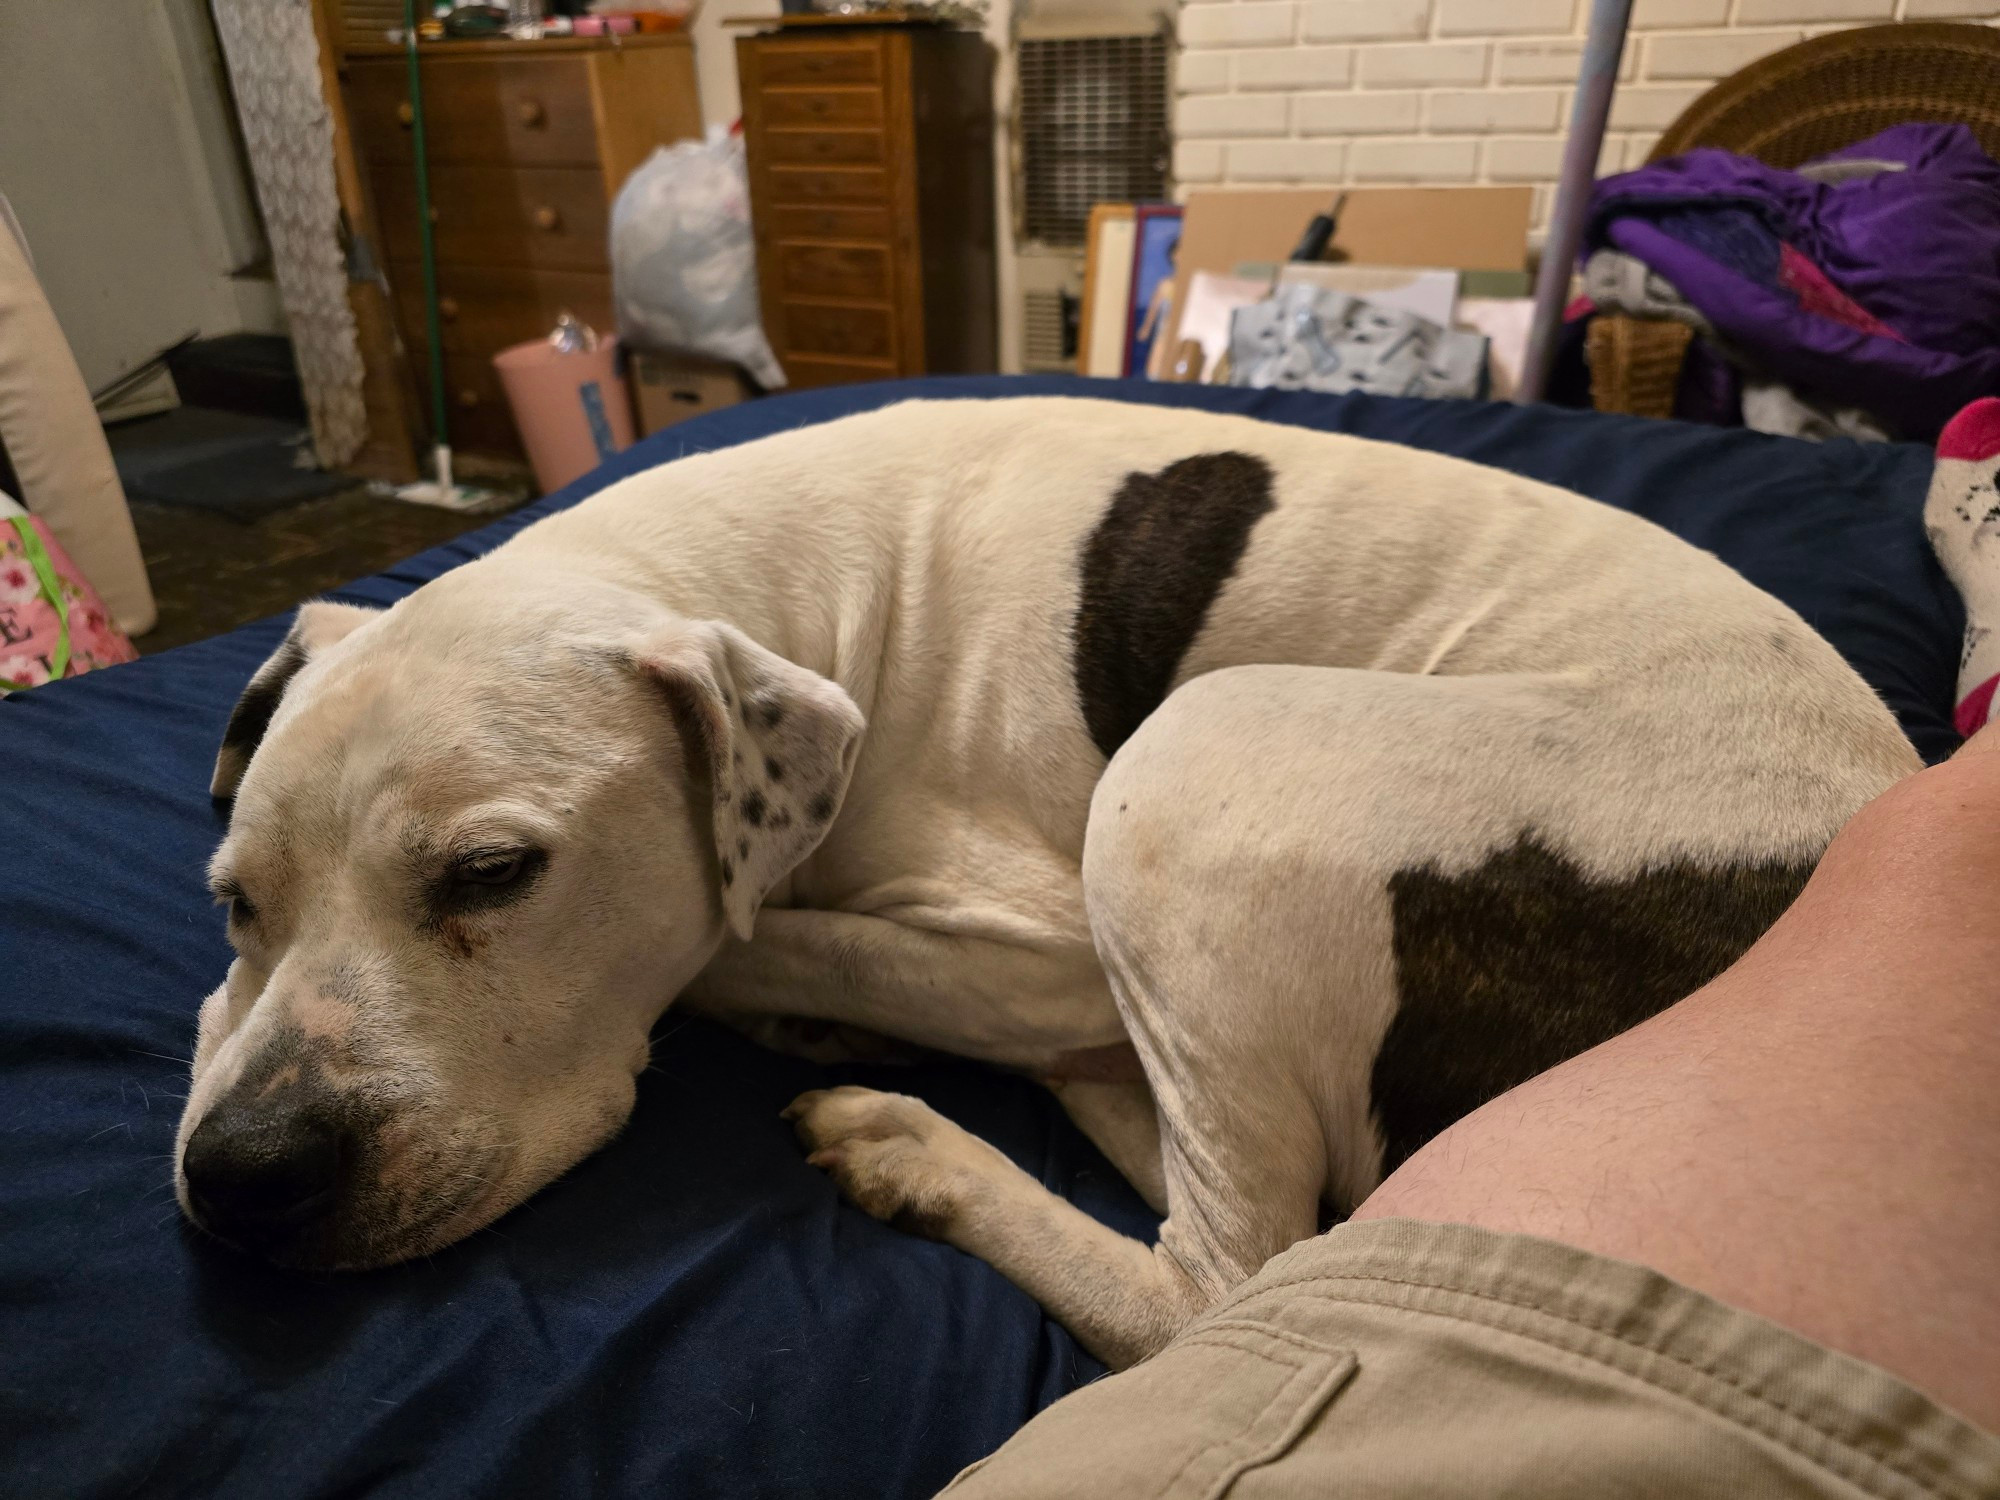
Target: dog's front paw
[(894, 1157)]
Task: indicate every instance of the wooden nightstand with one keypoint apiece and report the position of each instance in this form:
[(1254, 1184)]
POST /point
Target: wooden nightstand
[(528, 143), (871, 188)]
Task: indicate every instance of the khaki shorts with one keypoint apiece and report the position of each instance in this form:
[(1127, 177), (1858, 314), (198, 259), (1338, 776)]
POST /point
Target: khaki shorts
[(1393, 1358)]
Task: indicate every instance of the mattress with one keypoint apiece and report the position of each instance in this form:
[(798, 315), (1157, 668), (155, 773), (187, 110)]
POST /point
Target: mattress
[(692, 1311)]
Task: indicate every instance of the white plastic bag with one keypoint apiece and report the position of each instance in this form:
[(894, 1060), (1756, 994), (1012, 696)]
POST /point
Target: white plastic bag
[(683, 265)]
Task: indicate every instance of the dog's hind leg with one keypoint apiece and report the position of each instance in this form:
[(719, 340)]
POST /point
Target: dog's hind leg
[(1208, 970), (1339, 910), (1243, 1161)]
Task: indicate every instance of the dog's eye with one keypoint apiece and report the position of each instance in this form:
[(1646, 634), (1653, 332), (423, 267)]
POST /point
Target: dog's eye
[(492, 869), (487, 881), (240, 909)]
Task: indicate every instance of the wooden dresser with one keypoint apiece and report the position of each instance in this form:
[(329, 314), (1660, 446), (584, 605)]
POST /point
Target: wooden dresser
[(528, 143), (871, 187)]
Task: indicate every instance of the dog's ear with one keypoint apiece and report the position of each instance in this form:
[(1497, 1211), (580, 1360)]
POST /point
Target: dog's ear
[(319, 624), (775, 743)]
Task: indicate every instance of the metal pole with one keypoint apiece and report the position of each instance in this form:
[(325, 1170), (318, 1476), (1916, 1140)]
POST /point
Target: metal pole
[(1596, 81), (425, 238)]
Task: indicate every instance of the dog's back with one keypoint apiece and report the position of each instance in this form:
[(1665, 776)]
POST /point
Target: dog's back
[(1010, 587)]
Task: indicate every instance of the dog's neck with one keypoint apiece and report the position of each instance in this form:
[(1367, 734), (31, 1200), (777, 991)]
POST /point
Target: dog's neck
[(707, 553)]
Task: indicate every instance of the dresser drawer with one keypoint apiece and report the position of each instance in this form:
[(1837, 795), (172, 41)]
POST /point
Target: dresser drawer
[(828, 185), (534, 111), (795, 223), (849, 332), (844, 148), (475, 407), (484, 309), (551, 217), (807, 371), (803, 66), (817, 109), (856, 272)]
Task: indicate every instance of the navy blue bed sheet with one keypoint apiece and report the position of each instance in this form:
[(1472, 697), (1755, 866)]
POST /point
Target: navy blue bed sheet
[(691, 1312)]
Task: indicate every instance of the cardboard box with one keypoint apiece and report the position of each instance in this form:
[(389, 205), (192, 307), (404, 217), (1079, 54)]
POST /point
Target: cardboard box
[(1460, 228), (670, 388)]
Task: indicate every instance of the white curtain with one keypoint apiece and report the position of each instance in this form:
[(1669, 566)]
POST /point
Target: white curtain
[(273, 57)]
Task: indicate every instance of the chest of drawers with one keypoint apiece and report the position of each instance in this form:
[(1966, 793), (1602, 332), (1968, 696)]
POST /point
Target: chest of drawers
[(527, 144), (871, 188)]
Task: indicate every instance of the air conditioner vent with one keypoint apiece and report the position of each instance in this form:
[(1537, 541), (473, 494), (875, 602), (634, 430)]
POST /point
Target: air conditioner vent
[(1093, 113)]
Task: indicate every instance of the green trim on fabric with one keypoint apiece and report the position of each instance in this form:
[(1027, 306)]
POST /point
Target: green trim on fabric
[(45, 571)]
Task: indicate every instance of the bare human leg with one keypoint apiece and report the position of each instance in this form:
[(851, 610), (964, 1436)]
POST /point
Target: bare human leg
[(1815, 1135)]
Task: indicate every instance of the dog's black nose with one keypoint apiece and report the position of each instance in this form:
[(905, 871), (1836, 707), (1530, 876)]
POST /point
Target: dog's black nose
[(260, 1177)]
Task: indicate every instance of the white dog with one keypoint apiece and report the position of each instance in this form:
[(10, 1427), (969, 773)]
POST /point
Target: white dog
[(1349, 785)]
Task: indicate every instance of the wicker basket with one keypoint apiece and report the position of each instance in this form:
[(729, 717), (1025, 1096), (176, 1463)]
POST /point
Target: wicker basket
[(1788, 108)]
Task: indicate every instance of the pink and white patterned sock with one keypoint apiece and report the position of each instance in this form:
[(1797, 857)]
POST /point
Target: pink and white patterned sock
[(1962, 515)]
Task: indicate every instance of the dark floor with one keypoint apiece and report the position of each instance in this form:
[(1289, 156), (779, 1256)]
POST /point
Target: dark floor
[(234, 520), (211, 574)]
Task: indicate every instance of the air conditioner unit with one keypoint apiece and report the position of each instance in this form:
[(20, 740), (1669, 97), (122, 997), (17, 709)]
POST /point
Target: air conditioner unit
[(1049, 284), (1090, 123)]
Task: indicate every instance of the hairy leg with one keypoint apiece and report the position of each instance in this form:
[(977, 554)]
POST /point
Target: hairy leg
[(1815, 1135)]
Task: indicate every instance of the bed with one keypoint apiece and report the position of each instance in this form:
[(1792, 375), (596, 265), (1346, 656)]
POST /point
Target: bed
[(691, 1312)]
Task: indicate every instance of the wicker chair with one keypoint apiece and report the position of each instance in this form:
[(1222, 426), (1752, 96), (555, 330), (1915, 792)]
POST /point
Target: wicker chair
[(1786, 109)]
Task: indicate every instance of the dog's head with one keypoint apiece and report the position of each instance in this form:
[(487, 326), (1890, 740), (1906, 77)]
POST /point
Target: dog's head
[(478, 842)]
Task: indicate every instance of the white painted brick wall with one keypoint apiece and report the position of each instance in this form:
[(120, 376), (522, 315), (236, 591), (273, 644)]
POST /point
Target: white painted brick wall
[(1203, 72), (1413, 161), (1366, 20), (1324, 92), (1357, 113), (1454, 112), (1294, 68), (1763, 12), (1255, 24), (1231, 115), (1422, 62), (1487, 18)]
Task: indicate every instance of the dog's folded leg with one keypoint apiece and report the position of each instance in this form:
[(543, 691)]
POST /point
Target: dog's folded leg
[(1010, 1001), (907, 1165)]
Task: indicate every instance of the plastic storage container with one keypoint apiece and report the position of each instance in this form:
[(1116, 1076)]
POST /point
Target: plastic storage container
[(573, 410)]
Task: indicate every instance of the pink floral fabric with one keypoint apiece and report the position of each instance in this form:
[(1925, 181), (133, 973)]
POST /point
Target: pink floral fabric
[(33, 631)]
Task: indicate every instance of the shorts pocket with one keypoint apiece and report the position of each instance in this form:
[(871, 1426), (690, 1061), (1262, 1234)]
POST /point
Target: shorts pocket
[(1185, 1425)]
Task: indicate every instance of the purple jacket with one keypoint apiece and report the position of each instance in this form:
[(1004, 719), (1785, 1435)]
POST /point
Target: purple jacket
[(1881, 292)]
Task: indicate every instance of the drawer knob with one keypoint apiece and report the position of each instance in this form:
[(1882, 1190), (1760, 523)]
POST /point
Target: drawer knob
[(548, 218), (448, 308), (432, 214), (405, 116), (530, 113), (468, 398)]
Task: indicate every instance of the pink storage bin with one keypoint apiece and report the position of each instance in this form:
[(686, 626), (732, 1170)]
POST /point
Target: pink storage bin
[(573, 410)]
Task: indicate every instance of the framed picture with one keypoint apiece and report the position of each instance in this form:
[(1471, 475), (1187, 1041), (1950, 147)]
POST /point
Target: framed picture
[(1156, 237), (1107, 290)]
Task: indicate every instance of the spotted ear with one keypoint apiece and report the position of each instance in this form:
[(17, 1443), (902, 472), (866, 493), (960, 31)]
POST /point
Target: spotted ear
[(775, 743), (320, 623)]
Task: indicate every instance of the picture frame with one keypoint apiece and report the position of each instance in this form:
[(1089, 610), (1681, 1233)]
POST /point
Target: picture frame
[(1149, 316), (1107, 289)]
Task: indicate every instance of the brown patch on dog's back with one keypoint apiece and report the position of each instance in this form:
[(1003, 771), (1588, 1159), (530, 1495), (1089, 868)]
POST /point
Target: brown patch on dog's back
[(1151, 570), (1526, 960)]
